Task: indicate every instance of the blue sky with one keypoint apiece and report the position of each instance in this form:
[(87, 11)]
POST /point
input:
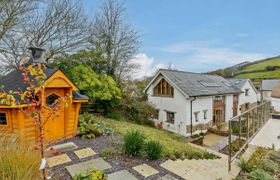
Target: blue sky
[(202, 35)]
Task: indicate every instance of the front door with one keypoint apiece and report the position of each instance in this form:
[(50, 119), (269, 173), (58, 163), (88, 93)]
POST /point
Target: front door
[(219, 109), (54, 127)]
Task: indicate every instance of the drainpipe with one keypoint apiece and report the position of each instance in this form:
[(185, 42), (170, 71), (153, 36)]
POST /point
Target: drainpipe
[(194, 98)]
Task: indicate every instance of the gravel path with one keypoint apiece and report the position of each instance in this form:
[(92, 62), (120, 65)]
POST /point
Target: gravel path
[(120, 162)]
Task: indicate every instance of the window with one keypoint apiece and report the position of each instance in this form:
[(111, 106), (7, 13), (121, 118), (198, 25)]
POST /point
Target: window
[(196, 116), (156, 115), (3, 119), (247, 106), (163, 89), (246, 92), (170, 117), (205, 114), (52, 100)]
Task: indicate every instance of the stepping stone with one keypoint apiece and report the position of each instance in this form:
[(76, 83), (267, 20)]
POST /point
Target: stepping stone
[(121, 175), (61, 148), (58, 160), (167, 177), (83, 153), (98, 164), (145, 170)]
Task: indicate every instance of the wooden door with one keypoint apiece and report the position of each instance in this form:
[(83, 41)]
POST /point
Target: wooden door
[(54, 127), (218, 109), (235, 105)]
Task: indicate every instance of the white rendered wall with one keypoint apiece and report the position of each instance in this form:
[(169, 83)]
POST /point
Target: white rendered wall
[(177, 104), (275, 102), (252, 98), (229, 106)]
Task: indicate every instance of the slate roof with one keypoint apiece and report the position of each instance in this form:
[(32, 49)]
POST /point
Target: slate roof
[(14, 81), (267, 85), (196, 84), (238, 83)]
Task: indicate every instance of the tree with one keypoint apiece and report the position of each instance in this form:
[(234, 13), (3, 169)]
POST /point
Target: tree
[(34, 77), (58, 26), (118, 40)]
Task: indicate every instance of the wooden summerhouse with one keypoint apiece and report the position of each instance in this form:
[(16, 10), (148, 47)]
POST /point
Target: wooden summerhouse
[(13, 120)]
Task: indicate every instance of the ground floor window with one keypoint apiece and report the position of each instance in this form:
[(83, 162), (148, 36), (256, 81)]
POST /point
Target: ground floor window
[(3, 119), (247, 106), (196, 116), (170, 117), (205, 114), (156, 115)]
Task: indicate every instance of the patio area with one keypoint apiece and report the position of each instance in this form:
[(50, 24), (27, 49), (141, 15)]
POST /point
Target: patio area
[(268, 136)]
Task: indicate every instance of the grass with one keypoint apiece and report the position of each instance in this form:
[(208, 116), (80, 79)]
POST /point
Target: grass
[(171, 142), (257, 75), (262, 65), (18, 161)]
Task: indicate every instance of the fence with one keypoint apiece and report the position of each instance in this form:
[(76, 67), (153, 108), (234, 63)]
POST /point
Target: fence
[(242, 129)]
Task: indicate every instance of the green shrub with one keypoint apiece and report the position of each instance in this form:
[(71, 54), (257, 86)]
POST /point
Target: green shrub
[(259, 174), (245, 166), (133, 142), (269, 166), (110, 152), (89, 127), (153, 149), (91, 175)]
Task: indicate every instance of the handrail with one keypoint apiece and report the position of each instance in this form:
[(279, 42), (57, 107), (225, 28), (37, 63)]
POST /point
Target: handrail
[(259, 114)]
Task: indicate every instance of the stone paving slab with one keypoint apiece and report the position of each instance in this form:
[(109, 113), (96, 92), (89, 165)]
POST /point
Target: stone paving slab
[(83, 153), (61, 148), (58, 160), (167, 177), (223, 143), (98, 163), (121, 175), (145, 170)]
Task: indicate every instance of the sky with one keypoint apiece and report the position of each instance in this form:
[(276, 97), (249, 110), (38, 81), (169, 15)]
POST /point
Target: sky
[(201, 35)]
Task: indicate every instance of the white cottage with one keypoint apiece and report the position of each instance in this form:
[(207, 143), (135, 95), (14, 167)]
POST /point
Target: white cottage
[(266, 88), (189, 103), (248, 98)]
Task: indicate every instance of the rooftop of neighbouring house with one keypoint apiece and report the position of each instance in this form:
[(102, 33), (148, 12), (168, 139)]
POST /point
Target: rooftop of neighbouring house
[(197, 84), (267, 85)]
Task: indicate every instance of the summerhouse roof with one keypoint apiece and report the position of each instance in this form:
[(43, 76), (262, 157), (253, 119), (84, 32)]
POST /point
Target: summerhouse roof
[(14, 81), (197, 84), (267, 85)]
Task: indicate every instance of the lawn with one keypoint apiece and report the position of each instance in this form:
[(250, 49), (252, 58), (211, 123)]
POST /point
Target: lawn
[(262, 65), (256, 75), (172, 143)]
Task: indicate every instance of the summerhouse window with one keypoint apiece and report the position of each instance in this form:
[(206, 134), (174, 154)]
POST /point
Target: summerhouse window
[(3, 119), (170, 117), (163, 88), (52, 100)]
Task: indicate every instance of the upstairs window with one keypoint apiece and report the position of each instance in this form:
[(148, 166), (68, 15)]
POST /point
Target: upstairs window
[(246, 92), (3, 119), (52, 100), (163, 89), (170, 117)]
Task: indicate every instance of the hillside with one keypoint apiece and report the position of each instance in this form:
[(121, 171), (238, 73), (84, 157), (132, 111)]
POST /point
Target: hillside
[(262, 69)]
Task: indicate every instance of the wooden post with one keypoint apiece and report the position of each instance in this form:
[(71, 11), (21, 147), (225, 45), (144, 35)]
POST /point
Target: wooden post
[(229, 146), (240, 131), (248, 130)]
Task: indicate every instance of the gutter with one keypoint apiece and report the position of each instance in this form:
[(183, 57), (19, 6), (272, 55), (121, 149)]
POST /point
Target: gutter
[(194, 98)]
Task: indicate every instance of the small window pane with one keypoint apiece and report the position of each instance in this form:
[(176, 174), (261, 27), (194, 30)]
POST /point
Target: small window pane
[(196, 116), (3, 119), (170, 117), (52, 99)]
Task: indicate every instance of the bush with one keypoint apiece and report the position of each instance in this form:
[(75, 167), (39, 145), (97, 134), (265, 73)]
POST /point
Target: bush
[(133, 142), (275, 156), (259, 174), (110, 152), (269, 166), (18, 161), (245, 166), (153, 149), (91, 174), (89, 127)]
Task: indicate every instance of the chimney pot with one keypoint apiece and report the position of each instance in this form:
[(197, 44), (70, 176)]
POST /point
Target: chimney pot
[(37, 55)]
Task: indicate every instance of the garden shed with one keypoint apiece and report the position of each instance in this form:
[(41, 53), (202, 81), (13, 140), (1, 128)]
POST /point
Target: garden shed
[(13, 120)]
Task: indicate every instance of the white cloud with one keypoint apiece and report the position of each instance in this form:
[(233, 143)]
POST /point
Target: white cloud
[(197, 55), (147, 66)]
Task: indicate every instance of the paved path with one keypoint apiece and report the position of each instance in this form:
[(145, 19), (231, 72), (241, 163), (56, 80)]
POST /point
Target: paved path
[(268, 135), (223, 143)]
